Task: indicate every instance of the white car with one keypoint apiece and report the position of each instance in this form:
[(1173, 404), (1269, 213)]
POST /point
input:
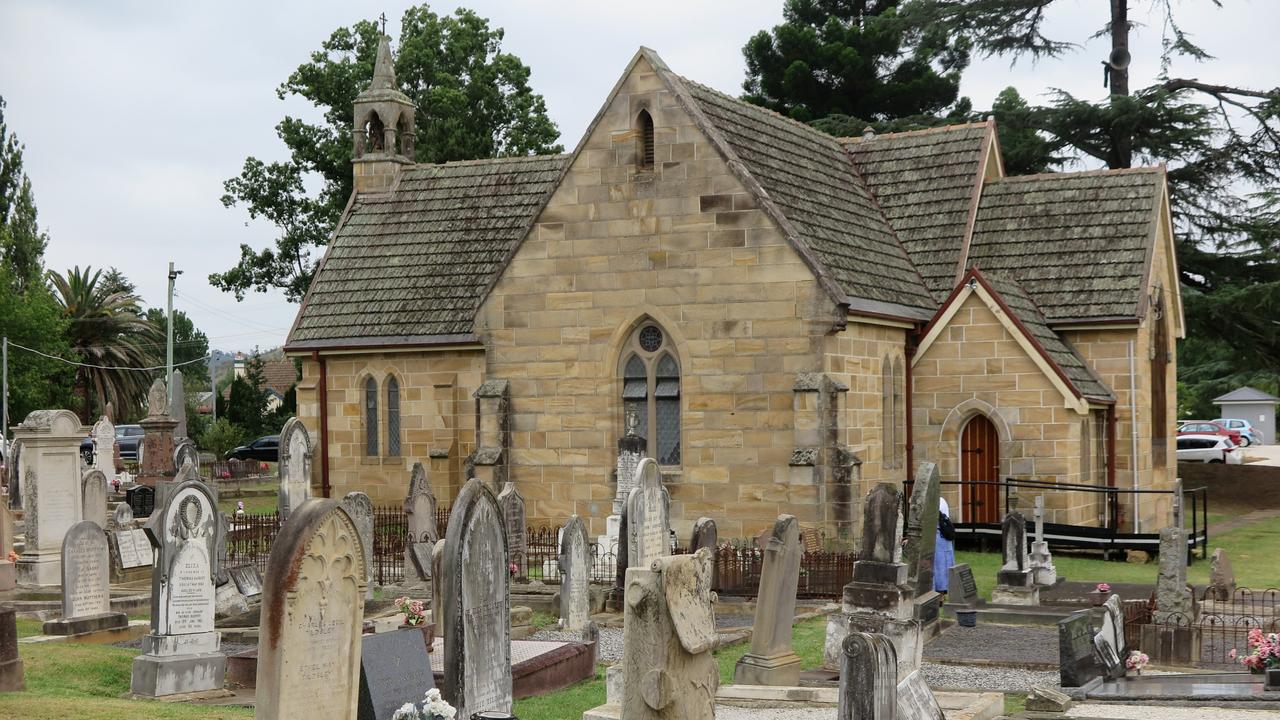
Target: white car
[(1208, 448)]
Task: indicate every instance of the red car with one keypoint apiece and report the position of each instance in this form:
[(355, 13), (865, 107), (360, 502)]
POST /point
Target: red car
[(1203, 427)]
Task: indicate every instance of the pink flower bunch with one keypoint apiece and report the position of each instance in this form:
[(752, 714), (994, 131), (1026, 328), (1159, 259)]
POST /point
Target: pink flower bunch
[(1136, 660), (415, 612), (1264, 651), (1103, 588), (514, 568)]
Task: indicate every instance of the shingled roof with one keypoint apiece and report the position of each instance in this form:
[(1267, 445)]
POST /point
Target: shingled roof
[(810, 178), (927, 182), (1058, 351), (410, 266), (1078, 242)]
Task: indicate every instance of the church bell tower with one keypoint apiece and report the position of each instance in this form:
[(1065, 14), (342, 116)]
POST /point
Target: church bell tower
[(383, 132)]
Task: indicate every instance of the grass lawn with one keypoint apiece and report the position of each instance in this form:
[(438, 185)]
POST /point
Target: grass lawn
[(252, 505)]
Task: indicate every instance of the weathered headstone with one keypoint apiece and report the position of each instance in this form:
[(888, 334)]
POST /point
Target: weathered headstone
[(8, 570), (121, 517), (706, 535), (868, 678), (104, 448), (575, 577), (294, 468), (437, 585), (178, 406), (511, 502), (1173, 598), (52, 500), (221, 577), (476, 607), (919, 539), (1222, 579), (1077, 656), (312, 611), (394, 669), (185, 451), (668, 635), (247, 580), (1043, 699), (133, 549), (182, 654), (86, 584), (1015, 584), (1043, 571), (916, 701), (155, 452), (771, 661), (11, 679), (13, 468), (962, 587), (360, 508), (228, 602), (420, 515), (648, 517), (93, 496), (880, 598), (141, 499)]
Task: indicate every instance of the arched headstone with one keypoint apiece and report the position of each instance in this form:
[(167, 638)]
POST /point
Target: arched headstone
[(420, 515), (93, 496), (648, 517), (512, 504), (360, 508), (104, 448), (294, 468), (86, 584), (575, 577)]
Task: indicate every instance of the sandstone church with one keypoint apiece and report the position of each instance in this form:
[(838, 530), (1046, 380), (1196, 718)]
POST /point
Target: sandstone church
[(787, 317)]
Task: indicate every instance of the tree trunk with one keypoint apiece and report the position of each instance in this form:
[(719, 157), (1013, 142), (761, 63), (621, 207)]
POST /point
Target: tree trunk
[(1121, 155)]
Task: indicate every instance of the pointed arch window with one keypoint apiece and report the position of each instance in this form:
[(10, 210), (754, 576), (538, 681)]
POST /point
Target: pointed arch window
[(393, 416), (370, 417), (651, 391), (645, 154)]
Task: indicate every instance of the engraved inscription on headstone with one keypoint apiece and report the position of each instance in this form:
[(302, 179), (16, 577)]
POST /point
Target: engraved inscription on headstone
[(648, 517), (247, 580), (393, 666), (575, 575), (87, 585), (134, 548), (294, 468), (916, 701)]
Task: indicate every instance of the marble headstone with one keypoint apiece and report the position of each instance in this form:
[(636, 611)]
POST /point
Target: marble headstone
[(104, 448), (86, 584), (1109, 641), (916, 701), (575, 577), (648, 517), (394, 669), (360, 508), (121, 517), (420, 515), (294, 468), (771, 661), (309, 644), (247, 580), (93, 496), (476, 605), (182, 654), (868, 678), (134, 549), (51, 489), (512, 504)]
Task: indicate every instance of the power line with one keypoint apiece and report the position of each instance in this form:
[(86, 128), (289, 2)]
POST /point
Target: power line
[(103, 367)]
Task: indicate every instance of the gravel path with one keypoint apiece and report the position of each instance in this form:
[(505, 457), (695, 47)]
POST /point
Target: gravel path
[(1011, 644), (726, 712), (1164, 712), (977, 677)]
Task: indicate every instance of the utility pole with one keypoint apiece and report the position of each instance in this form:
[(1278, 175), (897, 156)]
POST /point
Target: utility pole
[(168, 376), (213, 385), (4, 390)]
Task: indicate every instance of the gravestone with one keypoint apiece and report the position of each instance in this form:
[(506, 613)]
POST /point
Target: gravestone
[(1173, 598), (868, 678), (575, 577), (1077, 657), (8, 570), (312, 612), (184, 451), (705, 535), (93, 496), (247, 580), (394, 669), (360, 508), (294, 469), (1222, 580), (1043, 571), (668, 635), (121, 517), (771, 661), (511, 502), (182, 654), (50, 465), (221, 577), (437, 584), (141, 499), (880, 599), (963, 585), (919, 540), (11, 679), (916, 701), (631, 449), (476, 607), (133, 549), (420, 515), (13, 468), (178, 406), (104, 448), (86, 584), (1109, 642), (155, 452), (1015, 584), (648, 517)]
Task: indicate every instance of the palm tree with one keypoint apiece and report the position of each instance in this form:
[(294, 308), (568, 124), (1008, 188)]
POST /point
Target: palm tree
[(109, 332)]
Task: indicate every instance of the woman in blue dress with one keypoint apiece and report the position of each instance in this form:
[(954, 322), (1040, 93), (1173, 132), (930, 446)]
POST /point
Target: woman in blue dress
[(944, 549)]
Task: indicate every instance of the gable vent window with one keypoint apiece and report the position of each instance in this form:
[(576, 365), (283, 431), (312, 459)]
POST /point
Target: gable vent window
[(645, 123)]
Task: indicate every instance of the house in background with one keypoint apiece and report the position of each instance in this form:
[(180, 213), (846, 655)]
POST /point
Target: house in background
[(279, 376), (1251, 404)]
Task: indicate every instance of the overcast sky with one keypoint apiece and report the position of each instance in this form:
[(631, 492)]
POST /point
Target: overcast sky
[(134, 113)]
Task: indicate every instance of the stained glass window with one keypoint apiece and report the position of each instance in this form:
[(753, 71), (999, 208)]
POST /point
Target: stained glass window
[(651, 392), (393, 416), (370, 417)]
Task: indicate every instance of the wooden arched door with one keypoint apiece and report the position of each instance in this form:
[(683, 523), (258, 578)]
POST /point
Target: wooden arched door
[(979, 462)]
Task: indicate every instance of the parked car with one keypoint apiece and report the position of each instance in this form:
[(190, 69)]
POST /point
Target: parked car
[(1204, 427), (128, 438), (265, 449), (1249, 435), (1209, 449)]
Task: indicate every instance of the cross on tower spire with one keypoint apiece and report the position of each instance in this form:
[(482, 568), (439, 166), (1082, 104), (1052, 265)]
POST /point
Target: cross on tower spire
[(382, 23)]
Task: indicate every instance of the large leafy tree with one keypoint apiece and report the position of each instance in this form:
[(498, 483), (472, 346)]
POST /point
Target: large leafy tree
[(473, 101), (866, 59), (112, 337), (189, 344), (1222, 143)]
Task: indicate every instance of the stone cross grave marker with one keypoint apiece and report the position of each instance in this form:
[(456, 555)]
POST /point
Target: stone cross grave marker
[(1173, 598), (420, 513), (648, 517), (312, 612), (476, 605), (511, 502), (50, 464), (868, 678), (1077, 656), (1043, 572), (360, 508), (294, 469), (93, 496), (922, 529), (182, 654), (86, 584), (394, 669), (668, 635), (104, 448), (771, 661), (575, 576)]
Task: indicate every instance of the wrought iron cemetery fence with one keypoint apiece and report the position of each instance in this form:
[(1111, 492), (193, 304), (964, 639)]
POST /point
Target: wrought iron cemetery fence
[(1214, 635)]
